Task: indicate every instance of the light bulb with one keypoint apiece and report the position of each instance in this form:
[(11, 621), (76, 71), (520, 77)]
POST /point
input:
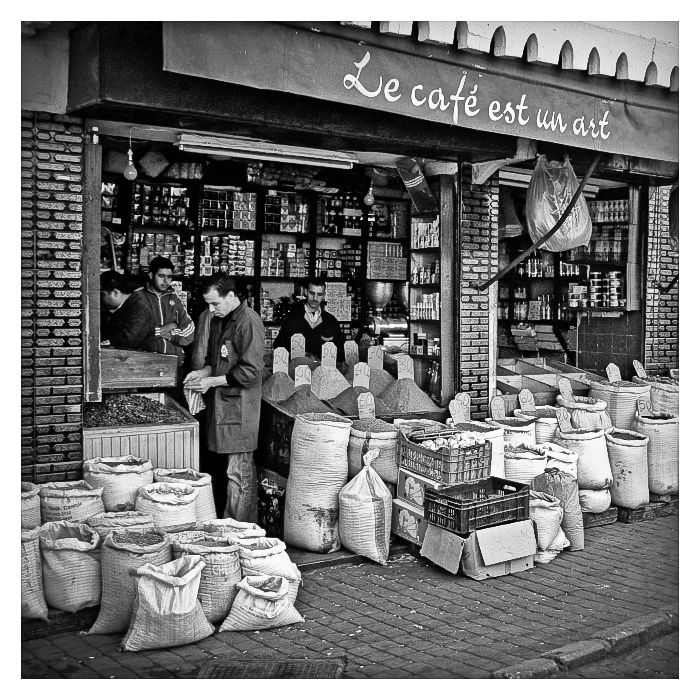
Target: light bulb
[(369, 197), (130, 172)]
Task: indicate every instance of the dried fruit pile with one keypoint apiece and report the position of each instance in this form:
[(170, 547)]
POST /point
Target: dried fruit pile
[(128, 409)]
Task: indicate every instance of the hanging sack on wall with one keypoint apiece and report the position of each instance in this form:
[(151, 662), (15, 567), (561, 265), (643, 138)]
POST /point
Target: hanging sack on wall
[(662, 451), (33, 604), (73, 501), (172, 505), (587, 413), (167, 612), (630, 469), (516, 431), (594, 501), (545, 421), (664, 393), (267, 556), (31, 506), (523, 464), (551, 189), (200, 482), (370, 434), (120, 479), (70, 560), (221, 573), (262, 602), (103, 523), (123, 551), (318, 470), (621, 397), (593, 463), (365, 513), (563, 486), (547, 513), (494, 434)]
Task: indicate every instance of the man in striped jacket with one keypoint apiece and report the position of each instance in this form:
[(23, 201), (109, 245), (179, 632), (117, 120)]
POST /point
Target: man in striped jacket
[(174, 327)]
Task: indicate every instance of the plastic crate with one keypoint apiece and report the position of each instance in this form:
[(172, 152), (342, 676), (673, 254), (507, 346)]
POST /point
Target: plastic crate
[(454, 466), (468, 507)]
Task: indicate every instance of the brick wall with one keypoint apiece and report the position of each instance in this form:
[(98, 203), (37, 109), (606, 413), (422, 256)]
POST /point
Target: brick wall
[(478, 260), (51, 365), (661, 314)]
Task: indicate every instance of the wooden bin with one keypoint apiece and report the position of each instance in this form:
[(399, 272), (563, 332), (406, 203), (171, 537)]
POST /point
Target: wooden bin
[(167, 445), (134, 369)]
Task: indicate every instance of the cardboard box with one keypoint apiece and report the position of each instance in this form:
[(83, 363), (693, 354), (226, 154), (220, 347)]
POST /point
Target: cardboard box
[(495, 551), (408, 521), (411, 487)]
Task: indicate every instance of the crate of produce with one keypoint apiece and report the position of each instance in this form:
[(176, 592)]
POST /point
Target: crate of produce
[(160, 429), (420, 453), (468, 507)]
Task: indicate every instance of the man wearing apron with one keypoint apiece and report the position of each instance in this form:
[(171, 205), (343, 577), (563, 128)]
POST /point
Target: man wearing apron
[(233, 371)]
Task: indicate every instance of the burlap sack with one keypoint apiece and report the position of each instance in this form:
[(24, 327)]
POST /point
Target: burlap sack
[(104, 523), (33, 602), (267, 556), (172, 505), (31, 506), (204, 505), (72, 501), (564, 487), (120, 479)]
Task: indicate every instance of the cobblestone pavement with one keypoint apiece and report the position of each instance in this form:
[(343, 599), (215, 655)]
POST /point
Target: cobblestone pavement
[(411, 619), (657, 659)]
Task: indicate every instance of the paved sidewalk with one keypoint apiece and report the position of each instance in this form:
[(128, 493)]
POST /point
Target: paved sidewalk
[(411, 619)]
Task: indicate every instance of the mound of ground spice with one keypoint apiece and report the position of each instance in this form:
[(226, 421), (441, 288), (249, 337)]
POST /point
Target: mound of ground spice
[(328, 382), (619, 383), (374, 425), (380, 381), (474, 427), (405, 396), (346, 401), (279, 387), (542, 412), (303, 400)]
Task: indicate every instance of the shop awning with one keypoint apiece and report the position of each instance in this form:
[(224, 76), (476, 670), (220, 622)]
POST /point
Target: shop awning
[(433, 83)]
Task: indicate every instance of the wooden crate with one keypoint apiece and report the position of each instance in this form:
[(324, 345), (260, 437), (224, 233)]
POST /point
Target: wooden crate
[(167, 445), (648, 511), (133, 369), (607, 517)]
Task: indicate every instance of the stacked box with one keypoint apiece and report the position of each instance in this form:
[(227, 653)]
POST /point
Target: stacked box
[(228, 208)]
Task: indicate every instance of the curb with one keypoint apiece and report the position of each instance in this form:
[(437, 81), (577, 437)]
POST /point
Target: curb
[(613, 641)]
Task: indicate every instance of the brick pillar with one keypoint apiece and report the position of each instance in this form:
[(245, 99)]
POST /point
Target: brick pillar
[(661, 309), (478, 260), (52, 326)]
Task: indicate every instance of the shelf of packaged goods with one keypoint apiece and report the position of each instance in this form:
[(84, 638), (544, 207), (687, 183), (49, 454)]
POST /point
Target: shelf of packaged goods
[(357, 238), (283, 279), (209, 231), (542, 320), (424, 285), (598, 308), (603, 263)]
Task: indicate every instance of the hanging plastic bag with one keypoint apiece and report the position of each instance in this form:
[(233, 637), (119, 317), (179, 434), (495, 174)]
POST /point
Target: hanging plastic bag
[(552, 187)]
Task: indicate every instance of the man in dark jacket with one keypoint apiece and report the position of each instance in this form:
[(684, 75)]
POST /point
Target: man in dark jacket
[(128, 322), (233, 371), (317, 326)]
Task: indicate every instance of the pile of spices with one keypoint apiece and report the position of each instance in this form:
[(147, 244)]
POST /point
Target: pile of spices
[(405, 396), (346, 401), (327, 382), (374, 425), (380, 381), (516, 422), (304, 401), (626, 436), (185, 476), (279, 387), (128, 409), (619, 383), (142, 539), (543, 412)]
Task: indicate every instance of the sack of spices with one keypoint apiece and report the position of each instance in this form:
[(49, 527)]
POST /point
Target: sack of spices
[(70, 560), (594, 500), (545, 421), (73, 501), (593, 470), (563, 486), (523, 464), (621, 397), (516, 431), (365, 513), (31, 506), (262, 603), (664, 393), (233, 529), (318, 470), (267, 556), (120, 479), (33, 603), (374, 434), (562, 458), (630, 469), (547, 513), (495, 434), (587, 413), (552, 187), (328, 382), (123, 551), (221, 573), (103, 523), (167, 612), (662, 451), (200, 482), (172, 505)]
